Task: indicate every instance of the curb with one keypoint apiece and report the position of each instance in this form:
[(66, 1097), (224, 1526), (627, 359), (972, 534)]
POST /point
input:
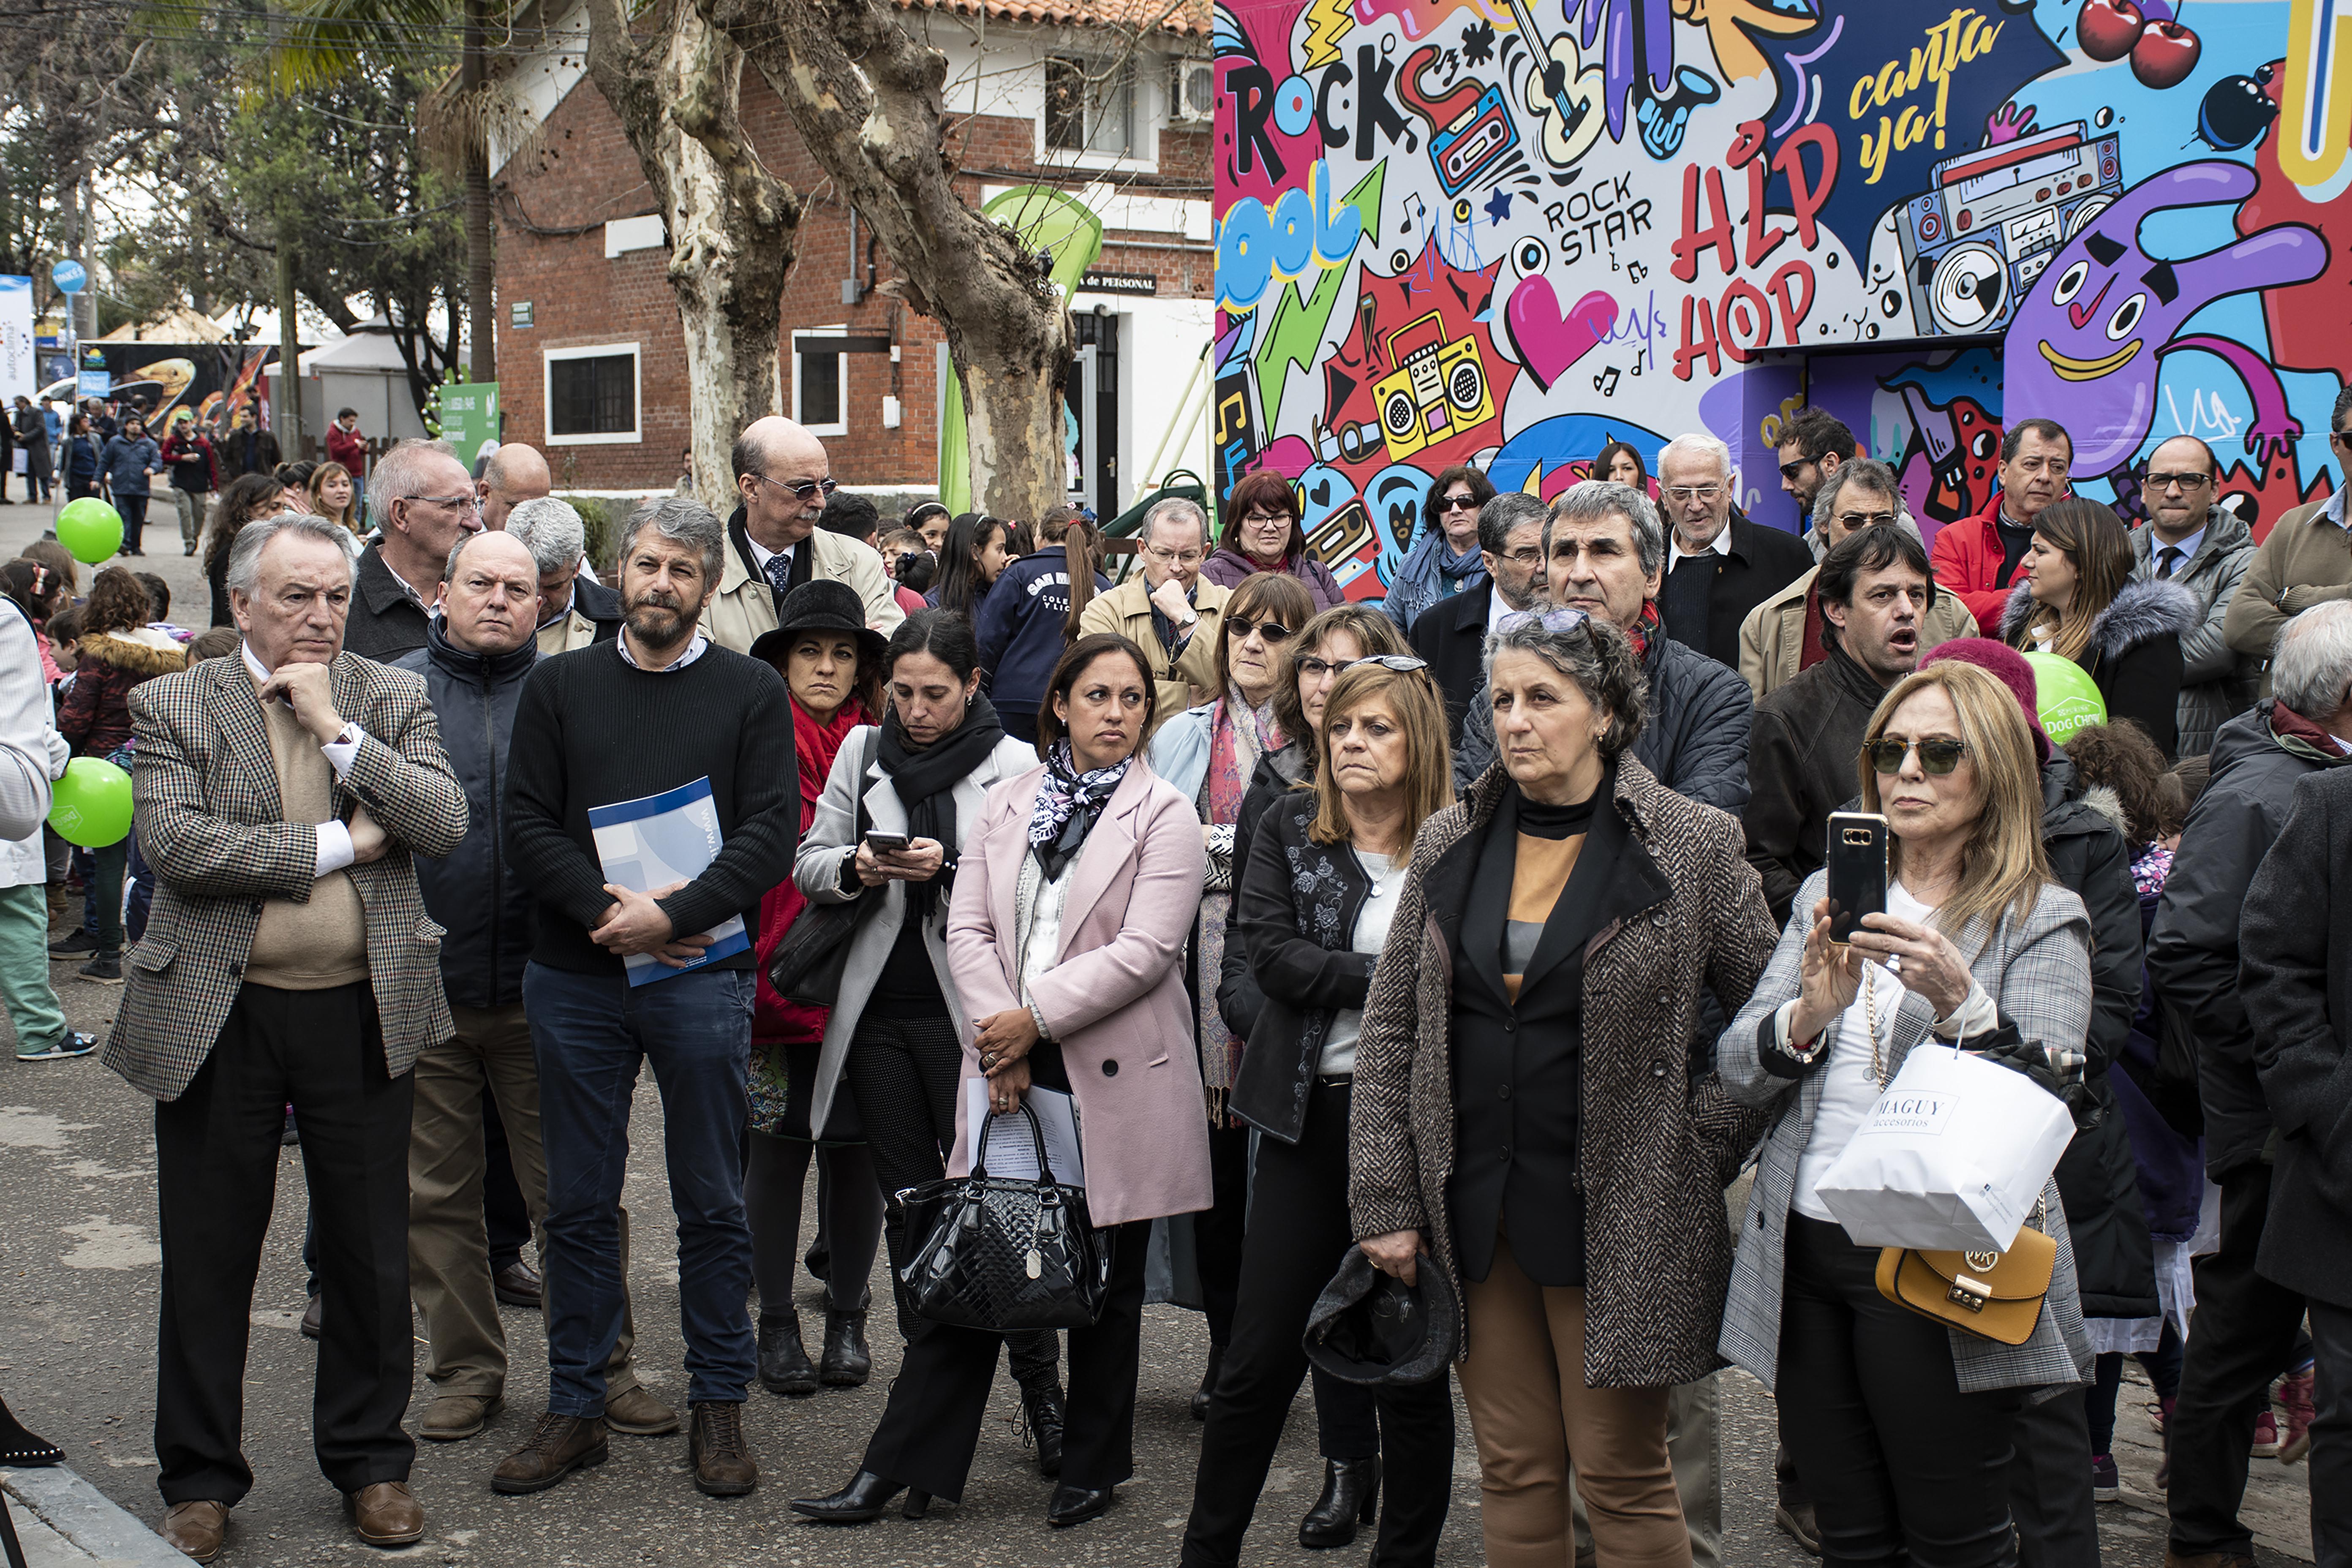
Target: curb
[(87, 1518)]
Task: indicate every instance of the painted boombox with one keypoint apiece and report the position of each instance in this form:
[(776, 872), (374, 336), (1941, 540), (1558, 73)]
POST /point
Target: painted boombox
[(1438, 389), (1974, 243)]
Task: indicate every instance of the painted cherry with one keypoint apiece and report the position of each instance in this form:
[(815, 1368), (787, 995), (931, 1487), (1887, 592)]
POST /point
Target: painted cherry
[(2109, 28), (2167, 52)]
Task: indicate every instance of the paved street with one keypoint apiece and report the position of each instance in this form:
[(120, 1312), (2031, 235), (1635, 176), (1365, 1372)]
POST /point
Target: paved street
[(78, 1269)]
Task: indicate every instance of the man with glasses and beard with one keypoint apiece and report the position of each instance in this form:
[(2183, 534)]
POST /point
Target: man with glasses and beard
[(782, 480), (1170, 611), (660, 708), (422, 499)]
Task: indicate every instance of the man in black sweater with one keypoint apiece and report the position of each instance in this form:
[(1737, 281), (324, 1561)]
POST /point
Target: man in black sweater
[(659, 708)]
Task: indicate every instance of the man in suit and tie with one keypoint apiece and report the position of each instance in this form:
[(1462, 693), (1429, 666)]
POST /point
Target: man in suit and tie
[(1452, 634), (1720, 566), (782, 480), (288, 960)]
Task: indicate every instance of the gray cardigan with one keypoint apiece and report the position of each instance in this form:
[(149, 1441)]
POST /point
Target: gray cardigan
[(2038, 973)]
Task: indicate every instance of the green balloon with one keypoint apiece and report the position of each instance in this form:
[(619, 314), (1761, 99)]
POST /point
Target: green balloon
[(2065, 696), (92, 532), (92, 805)]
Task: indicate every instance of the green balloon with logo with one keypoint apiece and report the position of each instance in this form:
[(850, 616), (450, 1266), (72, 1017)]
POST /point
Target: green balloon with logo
[(2065, 696), (90, 806)]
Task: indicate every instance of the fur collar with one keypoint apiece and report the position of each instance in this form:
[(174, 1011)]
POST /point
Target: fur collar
[(152, 653), (2146, 609)]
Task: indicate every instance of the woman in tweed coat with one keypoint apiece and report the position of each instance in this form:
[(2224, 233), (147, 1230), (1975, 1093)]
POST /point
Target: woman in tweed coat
[(1900, 1428), (1526, 1111)]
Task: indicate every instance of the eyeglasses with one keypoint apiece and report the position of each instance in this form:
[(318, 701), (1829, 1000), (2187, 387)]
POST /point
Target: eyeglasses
[(1851, 519), (1557, 622), (1936, 757), (1315, 668), (802, 489), (1458, 503), (1239, 627), (1259, 519), (1681, 493), (1176, 557), (469, 503), (2184, 481)]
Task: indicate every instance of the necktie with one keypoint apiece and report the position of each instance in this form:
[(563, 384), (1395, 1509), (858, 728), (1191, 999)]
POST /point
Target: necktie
[(779, 574), (2167, 559)]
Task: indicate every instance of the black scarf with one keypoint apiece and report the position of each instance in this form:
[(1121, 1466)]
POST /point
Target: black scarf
[(926, 777)]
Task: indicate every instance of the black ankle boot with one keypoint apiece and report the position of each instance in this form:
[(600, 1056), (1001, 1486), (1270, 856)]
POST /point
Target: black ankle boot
[(784, 1365), (22, 1450), (846, 1363), (1208, 1382), (1042, 1407), (862, 1500), (1351, 1497)]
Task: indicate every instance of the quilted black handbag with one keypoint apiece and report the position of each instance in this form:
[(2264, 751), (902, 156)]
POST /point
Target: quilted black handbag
[(1000, 1253), (809, 959)]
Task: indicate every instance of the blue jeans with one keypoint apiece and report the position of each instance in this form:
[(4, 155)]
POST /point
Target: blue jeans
[(589, 1032)]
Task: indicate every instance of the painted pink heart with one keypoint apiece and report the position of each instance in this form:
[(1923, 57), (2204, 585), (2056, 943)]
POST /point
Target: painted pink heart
[(1547, 341)]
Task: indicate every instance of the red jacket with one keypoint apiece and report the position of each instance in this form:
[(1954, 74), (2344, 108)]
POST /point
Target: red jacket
[(1967, 564), (772, 1017), (349, 448)]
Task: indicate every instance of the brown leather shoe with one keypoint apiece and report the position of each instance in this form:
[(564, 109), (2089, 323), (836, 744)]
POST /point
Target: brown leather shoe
[(386, 1514), (196, 1529), (558, 1446), (454, 1417), (638, 1414), (723, 1466)]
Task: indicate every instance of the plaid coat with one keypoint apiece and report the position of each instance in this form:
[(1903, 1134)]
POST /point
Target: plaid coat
[(2038, 971), (1661, 1140), (208, 822)]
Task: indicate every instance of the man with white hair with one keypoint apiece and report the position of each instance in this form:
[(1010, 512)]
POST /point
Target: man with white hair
[(420, 494), (513, 474), (1170, 610), (575, 610), (1719, 565)]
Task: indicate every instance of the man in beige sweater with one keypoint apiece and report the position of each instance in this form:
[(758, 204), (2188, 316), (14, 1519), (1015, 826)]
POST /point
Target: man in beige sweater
[(2306, 560), (288, 960)]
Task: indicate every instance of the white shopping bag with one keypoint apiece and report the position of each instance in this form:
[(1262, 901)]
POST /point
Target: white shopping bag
[(1952, 1158)]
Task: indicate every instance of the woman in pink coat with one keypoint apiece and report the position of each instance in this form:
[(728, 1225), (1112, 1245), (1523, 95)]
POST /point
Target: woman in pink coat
[(1074, 897)]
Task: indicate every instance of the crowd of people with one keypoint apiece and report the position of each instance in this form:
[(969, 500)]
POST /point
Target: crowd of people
[(1464, 951)]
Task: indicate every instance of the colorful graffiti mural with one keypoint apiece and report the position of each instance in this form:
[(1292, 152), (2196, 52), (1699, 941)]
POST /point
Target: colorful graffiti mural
[(1508, 231)]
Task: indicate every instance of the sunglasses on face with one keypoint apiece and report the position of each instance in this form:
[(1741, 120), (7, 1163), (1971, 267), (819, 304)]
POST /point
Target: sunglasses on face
[(802, 489), (1240, 626), (1315, 668), (1851, 519), (1458, 503), (1937, 758), (1790, 471)]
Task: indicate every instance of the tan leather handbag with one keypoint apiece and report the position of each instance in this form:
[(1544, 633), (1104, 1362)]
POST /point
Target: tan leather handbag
[(1995, 1296)]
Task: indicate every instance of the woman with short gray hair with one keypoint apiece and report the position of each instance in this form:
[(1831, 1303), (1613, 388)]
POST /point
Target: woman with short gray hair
[(1527, 1118)]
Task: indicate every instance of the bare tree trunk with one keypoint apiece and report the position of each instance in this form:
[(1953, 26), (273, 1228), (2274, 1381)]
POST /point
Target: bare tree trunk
[(865, 96), (481, 265), (733, 225)]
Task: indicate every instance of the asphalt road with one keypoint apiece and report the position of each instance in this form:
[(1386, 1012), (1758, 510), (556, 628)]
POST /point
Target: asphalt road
[(78, 1276)]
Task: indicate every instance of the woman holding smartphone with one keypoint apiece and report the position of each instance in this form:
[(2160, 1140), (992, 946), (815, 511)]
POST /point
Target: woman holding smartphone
[(897, 1029), (1900, 1427)]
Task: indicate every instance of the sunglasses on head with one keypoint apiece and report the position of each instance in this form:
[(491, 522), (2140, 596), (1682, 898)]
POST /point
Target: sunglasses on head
[(1240, 626), (1553, 621), (1315, 668), (1936, 757)]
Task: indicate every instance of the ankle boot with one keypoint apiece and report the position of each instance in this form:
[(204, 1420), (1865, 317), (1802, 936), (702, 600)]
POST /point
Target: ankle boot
[(1208, 1382), (1351, 1495), (847, 1362), (784, 1365), (1042, 1409)]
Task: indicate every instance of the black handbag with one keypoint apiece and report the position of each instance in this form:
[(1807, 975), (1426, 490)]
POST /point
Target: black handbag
[(998, 1254), (807, 964)]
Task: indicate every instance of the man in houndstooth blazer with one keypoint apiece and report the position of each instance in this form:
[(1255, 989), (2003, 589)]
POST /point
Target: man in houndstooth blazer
[(288, 960)]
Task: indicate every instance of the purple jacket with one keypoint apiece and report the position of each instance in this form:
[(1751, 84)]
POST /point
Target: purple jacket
[(1227, 567)]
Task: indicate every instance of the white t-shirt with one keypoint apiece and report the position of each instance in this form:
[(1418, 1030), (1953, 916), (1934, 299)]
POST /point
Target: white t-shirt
[(1371, 935), (1848, 1090)]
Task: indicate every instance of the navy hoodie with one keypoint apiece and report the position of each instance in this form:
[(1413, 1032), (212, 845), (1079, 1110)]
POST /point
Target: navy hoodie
[(1020, 624)]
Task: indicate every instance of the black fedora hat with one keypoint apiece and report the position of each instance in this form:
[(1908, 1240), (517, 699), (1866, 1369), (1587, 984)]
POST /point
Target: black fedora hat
[(820, 604), (1373, 1329)]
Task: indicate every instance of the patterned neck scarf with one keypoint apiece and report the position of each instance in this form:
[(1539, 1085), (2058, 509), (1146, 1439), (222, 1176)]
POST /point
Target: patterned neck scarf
[(1239, 736), (1649, 626), (1067, 804)]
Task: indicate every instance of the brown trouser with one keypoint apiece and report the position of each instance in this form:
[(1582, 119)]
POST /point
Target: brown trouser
[(1532, 1414), (448, 1250)]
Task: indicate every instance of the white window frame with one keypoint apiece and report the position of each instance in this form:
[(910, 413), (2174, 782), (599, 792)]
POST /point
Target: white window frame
[(634, 435), (841, 373), (1146, 108)]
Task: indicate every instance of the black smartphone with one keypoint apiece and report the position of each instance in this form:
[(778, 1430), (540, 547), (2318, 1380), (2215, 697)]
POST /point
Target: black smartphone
[(885, 843), (1857, 869)]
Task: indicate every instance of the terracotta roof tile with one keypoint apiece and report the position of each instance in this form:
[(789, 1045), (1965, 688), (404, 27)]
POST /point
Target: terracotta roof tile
[(1187, 18)]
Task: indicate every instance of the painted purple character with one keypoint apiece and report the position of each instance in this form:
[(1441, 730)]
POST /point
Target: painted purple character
[(2087, 343)]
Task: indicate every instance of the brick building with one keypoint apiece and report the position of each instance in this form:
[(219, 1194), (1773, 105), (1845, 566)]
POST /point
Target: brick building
[(1060, 92)]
